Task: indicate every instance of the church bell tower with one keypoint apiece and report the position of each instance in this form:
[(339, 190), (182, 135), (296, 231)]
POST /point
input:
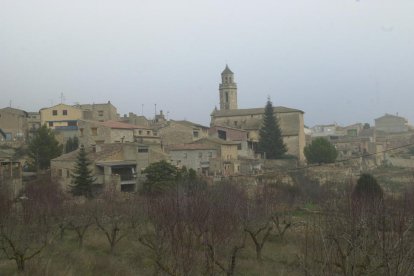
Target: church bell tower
[(228, 90)]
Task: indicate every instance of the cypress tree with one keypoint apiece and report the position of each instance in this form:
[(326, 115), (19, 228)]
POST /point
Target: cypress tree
[(82, 177), (270, 140)]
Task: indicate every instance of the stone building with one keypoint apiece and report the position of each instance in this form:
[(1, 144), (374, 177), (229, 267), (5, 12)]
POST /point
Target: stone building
[(13, 124), (391, 124), (60, 116), (181, 132), (290, 120), (135, 119), (245, 147), (227, 159), (95, 133), (98, 112), (113, 165), (193, 156), (33, 122)]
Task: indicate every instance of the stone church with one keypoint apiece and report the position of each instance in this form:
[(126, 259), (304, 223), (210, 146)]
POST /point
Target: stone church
[(250, 119)]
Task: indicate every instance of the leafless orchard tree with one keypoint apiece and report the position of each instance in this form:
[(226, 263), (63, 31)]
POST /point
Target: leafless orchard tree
[(360, 238), (114, 216), (80, 217), (168, 234), (225, 235), (29, 224)]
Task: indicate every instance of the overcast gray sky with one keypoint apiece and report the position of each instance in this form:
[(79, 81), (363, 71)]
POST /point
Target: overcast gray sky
[(341, 61)]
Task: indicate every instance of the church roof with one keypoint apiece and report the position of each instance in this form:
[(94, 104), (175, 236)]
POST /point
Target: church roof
[(227, 70), (251, 111)]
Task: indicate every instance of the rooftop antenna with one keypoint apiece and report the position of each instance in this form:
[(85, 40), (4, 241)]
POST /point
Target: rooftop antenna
[(62, 98), (10, 102), (155, 107)]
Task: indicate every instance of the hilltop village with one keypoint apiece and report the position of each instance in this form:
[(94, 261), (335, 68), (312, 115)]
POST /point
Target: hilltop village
[(120, 147)]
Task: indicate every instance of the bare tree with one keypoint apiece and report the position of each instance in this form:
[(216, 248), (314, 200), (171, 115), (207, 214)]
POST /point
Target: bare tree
[(28, 225), (80, 218), (360, 238), (168, 234), (112, 216), (225, 235)]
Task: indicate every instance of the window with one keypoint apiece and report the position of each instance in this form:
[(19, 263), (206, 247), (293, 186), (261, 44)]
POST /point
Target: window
[(148, 132), (200, 155), (227, 97), (94, 131), (64, 112), (185, 155), (142, 150), (81, 132), (100, 113), (210, 154), (60, 172), (72, 123), (54, 112), (67, 173), (140, 132), (50, 124), (222, 134), (195, 134), (235, 123), (239, 147)]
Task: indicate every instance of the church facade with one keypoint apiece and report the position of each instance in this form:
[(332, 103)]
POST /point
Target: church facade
[(290, 120)]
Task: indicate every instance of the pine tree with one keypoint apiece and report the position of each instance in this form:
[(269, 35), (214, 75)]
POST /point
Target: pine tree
[(82, 177), (71, 144), (43, 147), (270, 140)]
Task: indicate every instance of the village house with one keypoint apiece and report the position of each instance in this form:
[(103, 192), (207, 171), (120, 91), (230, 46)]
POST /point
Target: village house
[(226, 161), (62, 119), (13, 125), (391, 124), (116, 166), (245, 147), (60, 116), (95, 133), (98, 112), (193, 156), (33, 122), (135, 119), (290, 120), (181, 132)]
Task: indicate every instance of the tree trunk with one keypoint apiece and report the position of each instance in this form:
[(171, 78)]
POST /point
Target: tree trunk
[(80, 241), (20, 263), (259, 253)]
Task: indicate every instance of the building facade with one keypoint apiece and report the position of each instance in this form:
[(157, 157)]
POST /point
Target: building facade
[(193, 156), (61, 116), (13, 124), (391, 124), (98, 112), (113, 165), (95, 133)]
